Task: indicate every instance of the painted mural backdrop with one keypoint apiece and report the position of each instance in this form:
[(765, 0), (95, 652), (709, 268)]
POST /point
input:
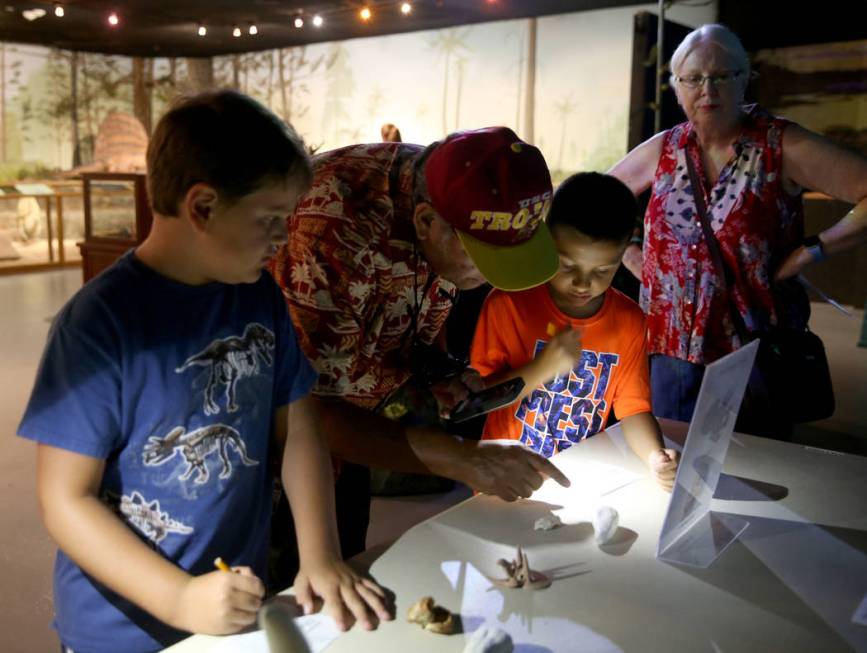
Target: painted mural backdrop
[(823, 87), (428, 83)]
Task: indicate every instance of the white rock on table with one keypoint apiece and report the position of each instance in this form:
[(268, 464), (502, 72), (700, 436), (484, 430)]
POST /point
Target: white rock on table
[(489, 639), (547, 523), (605, 524)]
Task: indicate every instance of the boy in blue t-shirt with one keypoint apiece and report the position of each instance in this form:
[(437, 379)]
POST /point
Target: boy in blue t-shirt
[(164, 384)]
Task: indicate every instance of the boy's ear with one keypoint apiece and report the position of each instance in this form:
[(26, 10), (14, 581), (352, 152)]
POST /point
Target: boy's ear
[(199, 204), (423, 218)]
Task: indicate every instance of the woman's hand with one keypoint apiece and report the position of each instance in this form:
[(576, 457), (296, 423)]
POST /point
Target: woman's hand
[(793, 264)]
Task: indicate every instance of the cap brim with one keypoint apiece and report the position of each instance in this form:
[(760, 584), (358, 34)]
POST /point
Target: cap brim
[(517, 267)]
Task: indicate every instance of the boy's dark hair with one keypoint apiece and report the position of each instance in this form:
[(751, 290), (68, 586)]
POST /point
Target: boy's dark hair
[(599, 206), (224, 139)]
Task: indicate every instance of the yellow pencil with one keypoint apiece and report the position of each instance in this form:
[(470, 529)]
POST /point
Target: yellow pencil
[(220, 564)]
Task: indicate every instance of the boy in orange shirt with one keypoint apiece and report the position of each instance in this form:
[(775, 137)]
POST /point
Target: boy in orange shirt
[(578, 344)]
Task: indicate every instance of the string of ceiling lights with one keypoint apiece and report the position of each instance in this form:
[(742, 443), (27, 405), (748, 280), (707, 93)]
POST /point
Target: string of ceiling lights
[(365, 14)]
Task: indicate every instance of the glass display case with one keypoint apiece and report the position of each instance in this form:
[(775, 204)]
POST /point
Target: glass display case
[(116, 217), (41, 221)]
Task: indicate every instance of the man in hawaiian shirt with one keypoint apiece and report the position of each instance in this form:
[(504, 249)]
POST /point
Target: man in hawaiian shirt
[(377, 250)]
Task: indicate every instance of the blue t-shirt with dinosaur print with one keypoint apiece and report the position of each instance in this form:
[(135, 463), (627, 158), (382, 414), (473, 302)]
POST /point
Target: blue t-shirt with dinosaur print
[(175, 387)]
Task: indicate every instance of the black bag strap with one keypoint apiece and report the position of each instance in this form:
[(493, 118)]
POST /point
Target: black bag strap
[(713, 247)]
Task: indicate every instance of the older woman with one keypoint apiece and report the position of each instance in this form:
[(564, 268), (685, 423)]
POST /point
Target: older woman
[(751, 167)]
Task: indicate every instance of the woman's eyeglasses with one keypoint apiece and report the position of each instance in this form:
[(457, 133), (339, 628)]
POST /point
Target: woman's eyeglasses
[(716, 80)]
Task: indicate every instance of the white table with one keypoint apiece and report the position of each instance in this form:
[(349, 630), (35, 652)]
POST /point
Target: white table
[(790, 583)]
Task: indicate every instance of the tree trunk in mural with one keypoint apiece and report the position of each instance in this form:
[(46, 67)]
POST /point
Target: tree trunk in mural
[(446, 94), (141, 97), (2, 101), (530, 92), (461, 62), (87, 101), (200, 74), (448, 42), (293, 67), (270, 87), (73, 105), (281, 72), (236, 72), (520, 94), (564, 109)]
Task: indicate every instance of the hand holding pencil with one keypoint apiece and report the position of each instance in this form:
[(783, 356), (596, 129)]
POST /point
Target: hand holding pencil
[(220, 602), (562, 352)]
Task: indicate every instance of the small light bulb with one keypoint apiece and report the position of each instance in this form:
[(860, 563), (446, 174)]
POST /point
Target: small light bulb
[(317, 21), (113, 20), (253, 30), (406, 8), (59, 11), (236, 32), (299, 22), (202, 30), (365, 14)]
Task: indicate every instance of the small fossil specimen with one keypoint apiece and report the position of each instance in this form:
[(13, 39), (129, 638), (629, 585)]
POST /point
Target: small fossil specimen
[(519, 574), (431, 616)]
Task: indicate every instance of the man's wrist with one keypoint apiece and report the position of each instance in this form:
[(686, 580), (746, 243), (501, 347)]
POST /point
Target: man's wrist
[(441, 453)]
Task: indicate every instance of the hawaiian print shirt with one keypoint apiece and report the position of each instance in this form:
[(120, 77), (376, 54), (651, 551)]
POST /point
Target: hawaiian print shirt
[(757, 222), (359, 291)]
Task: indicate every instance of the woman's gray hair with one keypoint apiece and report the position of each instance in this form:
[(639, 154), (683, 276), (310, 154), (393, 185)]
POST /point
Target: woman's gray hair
[(719, 35)]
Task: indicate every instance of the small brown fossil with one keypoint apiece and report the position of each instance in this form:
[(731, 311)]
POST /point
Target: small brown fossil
[(519, 574), (431, 617)]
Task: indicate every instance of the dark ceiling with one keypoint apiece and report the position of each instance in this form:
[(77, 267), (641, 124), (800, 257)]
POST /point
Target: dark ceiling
[(784, 23), (158, 28)]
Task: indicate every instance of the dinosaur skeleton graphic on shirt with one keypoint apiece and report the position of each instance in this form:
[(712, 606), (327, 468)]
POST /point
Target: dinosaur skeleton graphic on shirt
[(195, 447), (230, 360), (146, 516)]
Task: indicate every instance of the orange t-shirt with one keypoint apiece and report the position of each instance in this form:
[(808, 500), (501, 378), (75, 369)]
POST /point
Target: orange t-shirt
[(612, 371)]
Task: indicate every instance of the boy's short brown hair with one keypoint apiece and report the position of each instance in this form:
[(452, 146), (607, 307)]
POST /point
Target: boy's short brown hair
[(224, 139)]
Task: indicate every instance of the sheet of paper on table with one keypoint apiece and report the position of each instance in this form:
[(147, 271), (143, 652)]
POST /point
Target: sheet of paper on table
[(319, 631)]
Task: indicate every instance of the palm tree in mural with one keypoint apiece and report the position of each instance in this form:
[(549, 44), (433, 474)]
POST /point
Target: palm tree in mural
[(293, 69), (448, 43), (563, 109), (10, 77), (374, 102), (460, 64), (519, 63), (339, 89)]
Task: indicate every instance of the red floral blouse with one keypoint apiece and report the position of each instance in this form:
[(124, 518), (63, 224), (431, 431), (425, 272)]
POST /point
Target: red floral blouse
[(757, 223)]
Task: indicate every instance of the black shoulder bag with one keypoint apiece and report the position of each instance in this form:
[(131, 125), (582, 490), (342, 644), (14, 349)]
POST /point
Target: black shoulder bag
[(791, 362)]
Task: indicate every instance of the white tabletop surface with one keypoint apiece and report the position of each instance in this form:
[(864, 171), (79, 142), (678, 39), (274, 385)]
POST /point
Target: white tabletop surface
[(792, 582)]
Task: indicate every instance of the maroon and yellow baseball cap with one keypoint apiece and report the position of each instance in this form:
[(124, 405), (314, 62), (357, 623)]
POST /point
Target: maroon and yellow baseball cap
[(495, 190)]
